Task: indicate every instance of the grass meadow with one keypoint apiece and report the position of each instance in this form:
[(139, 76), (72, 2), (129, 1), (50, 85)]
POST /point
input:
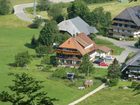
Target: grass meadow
[(12, 41), (114, 96), (114, 7), (14, 34)]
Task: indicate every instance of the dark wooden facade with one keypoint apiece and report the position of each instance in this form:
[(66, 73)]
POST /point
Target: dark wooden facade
[(123, 28), (68, 57)]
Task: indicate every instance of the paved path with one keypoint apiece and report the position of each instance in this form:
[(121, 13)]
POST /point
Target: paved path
[(128, 45), (19, 11), (87, 95)]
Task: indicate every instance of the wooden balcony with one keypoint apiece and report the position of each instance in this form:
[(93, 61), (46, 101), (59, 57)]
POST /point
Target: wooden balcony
[(124, 28), (67, 52), (122, 22), (122, 33), (69, 58)]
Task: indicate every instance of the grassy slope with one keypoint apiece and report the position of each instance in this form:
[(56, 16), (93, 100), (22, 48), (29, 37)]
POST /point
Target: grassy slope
[(12, 41), (13, 36), (114, 7), (116, 50), (114, 96), (15, 2)]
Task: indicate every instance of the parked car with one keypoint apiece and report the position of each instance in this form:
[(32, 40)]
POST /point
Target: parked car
[(109, 58), (103, 64), (98, 61)]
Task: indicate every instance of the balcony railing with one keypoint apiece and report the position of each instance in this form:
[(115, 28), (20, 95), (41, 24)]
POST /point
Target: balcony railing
[(69, 58), (124, 28), (67, 52), (123, 22)]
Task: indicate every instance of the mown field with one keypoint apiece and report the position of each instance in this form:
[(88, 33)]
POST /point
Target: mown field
[(114, 7), (114, 96)]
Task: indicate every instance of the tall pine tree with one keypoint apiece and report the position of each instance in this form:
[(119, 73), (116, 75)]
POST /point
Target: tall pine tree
[(114, 73), (86, 66), (26, 91)]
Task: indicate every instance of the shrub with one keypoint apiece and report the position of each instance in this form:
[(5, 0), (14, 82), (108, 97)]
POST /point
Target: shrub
[(37, 22), (134, 84), (47, 68), (113, 82), (5, 7), (42, 50), (46, 59), (21, 59), (60, 73), (43, 5), (53, 61)]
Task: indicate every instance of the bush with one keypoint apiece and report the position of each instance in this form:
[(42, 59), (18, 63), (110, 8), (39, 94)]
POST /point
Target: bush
[(135, 84), (60, 73), (37, 22), (5, 7), (47, 68), (21, 59), (43, 50), (53, 61), (46, 59), (43, 5), (113, 82)]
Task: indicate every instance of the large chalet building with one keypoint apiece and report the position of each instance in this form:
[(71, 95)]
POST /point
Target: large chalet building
[(126, 24), (71, 51)]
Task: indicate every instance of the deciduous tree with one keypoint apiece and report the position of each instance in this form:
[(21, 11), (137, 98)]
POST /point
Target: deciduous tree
[(78, 8)]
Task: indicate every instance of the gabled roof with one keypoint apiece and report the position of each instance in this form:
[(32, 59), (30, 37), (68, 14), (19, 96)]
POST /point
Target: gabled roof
[(131, 13), (75, 26), (103, 48), (71, 43), (83, 44), (135, 61)]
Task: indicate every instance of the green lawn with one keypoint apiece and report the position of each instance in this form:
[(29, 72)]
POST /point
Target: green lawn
[(114, 7), (15, 2), (12, 21), (12, 41), (114, 96), (116, 50)]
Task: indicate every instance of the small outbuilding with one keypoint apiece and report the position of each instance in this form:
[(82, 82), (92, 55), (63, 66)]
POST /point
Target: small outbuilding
[(75, 26)]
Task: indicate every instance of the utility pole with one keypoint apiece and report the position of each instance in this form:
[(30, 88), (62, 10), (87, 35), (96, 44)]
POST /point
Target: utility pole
[(34, 8)]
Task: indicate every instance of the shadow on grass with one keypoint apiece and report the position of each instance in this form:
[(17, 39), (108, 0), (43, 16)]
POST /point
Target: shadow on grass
[(101, 79), (12, 64), (28, 45)]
